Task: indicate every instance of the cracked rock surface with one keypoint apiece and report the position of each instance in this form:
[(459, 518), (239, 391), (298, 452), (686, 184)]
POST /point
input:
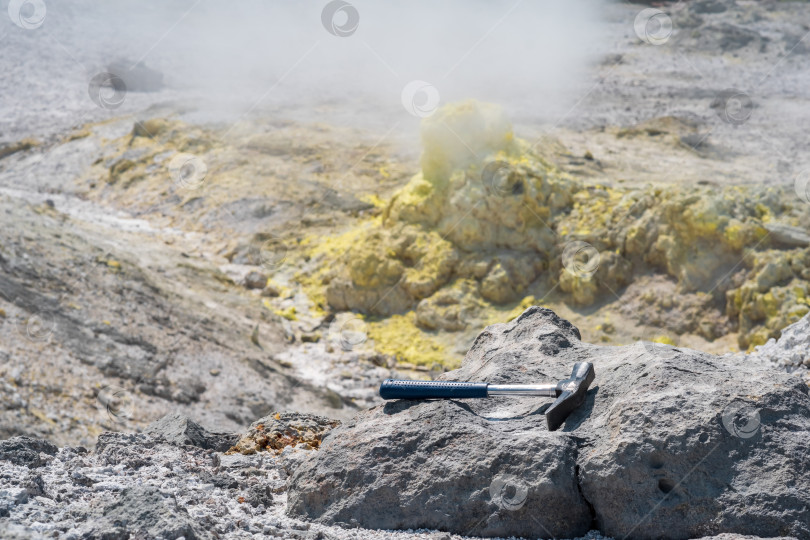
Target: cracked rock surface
[(670, 443)]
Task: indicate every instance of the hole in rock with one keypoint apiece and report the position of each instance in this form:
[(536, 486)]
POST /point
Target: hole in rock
[(666, 485)]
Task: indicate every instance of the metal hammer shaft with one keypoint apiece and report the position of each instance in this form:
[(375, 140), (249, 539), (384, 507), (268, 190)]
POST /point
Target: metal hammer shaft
[(545, 390), (398, 389)]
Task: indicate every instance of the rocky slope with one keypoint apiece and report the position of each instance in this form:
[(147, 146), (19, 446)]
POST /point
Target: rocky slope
[(100, 332), (112, 318)]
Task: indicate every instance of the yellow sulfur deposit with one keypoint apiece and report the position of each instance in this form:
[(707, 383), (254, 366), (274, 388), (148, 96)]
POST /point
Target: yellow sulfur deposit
[(399, 337), (487, 219), (478, 234)]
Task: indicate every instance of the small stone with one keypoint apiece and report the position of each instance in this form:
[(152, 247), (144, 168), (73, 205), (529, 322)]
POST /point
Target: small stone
[(271, 291), (14, 495), (235, 461), (177, 429), (788, 235), (137, 76), (259, 494), (255, 280), (81, 479)]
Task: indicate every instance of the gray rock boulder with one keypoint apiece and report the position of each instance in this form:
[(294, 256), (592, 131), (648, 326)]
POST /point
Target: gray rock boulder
[(255, 280), (670, 443), (788, 235), (28, 451), (137, 76), (175, 428)]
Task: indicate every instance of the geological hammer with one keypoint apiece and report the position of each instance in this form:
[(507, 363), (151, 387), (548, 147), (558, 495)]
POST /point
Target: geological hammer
[(570, 392)]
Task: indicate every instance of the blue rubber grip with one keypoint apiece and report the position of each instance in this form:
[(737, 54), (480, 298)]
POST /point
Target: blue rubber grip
[(395, 389)]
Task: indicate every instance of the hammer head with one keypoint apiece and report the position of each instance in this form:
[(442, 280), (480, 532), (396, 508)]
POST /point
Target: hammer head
[(570, 394)]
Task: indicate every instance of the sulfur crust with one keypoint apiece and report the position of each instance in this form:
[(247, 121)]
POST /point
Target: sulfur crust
[(451, 245)]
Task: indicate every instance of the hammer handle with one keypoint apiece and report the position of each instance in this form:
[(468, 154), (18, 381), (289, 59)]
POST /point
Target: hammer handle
[(396, 389)]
